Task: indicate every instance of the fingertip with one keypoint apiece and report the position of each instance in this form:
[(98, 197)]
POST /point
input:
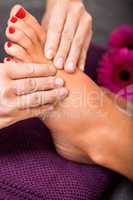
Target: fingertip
[(63, 93), (59, 62), (59, 82), (70, 67), (82, 67), (49, 53)]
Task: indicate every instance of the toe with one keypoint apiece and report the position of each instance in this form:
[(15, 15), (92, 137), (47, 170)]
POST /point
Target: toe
[(24, 27), (17, 36), (8, 60), (22, 13), (17, 52)]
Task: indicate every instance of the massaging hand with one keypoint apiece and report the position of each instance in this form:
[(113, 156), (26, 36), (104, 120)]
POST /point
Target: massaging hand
[(26, 90), (68, 29)]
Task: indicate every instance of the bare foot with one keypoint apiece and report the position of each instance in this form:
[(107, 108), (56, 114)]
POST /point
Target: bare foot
[(26, 42), (79, 113)]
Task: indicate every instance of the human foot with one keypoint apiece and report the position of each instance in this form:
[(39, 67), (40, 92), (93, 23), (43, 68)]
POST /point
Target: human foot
[(26, 36), (80, 114), (69, 121)]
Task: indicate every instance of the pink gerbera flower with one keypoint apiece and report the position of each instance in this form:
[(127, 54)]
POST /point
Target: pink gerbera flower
[(122, 37), (116, 70)]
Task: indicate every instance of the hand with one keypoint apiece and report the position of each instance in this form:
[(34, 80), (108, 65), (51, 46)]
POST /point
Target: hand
[(27, 90), (69, 32)]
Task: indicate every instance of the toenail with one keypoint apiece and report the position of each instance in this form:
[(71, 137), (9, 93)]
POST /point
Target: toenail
[(11, 30), (14, 19), (8, 59), (21, 13), (9, 44)]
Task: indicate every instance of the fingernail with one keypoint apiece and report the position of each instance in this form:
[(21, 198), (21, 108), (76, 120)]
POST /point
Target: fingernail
[(21, 13), (51, 108), (9, 44), (63, 93), (82, 67), (14, 19), (59, 62), (49, 54), (70, 67), (59, 82), (11, 30)]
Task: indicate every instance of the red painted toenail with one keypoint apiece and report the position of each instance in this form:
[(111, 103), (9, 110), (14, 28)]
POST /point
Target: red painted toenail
[(21, 13), (11, 30), (9, 44), (8, 59), (14, 19)]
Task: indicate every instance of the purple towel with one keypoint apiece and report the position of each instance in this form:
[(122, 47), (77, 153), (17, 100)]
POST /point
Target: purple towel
[(30, 168)]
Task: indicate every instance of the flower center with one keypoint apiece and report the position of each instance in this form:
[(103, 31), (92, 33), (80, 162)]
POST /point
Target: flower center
[(124, 75), (130, 46)]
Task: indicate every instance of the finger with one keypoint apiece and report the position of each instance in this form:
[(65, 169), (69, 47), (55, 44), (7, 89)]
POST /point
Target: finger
[(55, 28), (78, 43), (31, 70), (45, 21), (82, 59), (17, 51), (38, 99), (24, 15), (20, 38), (41, 112), (67, 36), (32, 85)]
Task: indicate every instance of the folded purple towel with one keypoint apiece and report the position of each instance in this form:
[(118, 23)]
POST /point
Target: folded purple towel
[(30, 168)]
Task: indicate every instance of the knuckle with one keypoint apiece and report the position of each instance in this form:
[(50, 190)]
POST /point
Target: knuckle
[(7, 92), (36, 100), (78, 42), (55, 27), (5, 111), (7, 103), (81, 7), (52, 25), (31, 84), (67, 35), (78, 7), (30, 69), (51, 82)]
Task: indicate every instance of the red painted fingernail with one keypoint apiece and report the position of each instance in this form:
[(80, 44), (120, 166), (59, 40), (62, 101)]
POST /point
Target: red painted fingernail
[(8, 59), (21, 13), (14, 19), (9, 44), (11, 30)]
